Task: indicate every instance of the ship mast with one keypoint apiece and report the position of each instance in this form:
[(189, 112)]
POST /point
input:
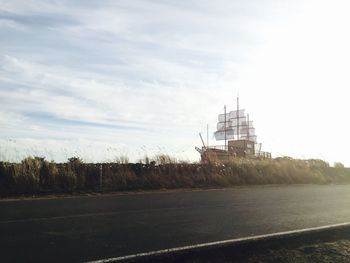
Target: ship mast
[(248, 135), (225, 127), (208, 135), (237, 115)]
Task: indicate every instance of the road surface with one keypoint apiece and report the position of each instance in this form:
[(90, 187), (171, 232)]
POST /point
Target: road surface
[(88, 228)]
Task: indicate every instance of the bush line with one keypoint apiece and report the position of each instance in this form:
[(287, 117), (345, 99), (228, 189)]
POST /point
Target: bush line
[(37, 175)]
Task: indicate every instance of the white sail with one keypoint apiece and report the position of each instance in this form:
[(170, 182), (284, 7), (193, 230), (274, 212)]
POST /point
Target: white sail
[(237, 127), (231, 115)]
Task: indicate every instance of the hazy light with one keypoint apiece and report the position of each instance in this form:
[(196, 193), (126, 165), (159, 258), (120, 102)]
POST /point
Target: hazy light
[(146, 75)]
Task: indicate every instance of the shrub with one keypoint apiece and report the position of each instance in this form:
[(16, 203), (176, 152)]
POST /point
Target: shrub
[(77, 167), (48, 176), (66, 179), (338, 165), (26, 176), (33, 175), (6, 178)]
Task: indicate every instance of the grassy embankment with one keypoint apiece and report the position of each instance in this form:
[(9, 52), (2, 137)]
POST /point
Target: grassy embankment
[(36, 175)]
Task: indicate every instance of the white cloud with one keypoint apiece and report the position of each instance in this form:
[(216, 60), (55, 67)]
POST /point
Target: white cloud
[(151, 74)]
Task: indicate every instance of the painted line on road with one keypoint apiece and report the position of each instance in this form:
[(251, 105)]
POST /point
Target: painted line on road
[(234, 241)]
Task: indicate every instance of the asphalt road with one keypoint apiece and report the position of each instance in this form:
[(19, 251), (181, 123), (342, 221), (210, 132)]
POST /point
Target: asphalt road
[(88, 228)]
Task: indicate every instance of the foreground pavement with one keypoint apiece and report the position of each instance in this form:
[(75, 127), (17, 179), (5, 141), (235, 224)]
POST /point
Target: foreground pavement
[(89, 228), (327, 245)]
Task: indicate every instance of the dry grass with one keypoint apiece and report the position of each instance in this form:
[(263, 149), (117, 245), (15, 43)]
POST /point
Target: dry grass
[(36, 175)]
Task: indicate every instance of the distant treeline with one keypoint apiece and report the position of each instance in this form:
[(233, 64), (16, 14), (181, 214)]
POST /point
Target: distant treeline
[(36, 175)]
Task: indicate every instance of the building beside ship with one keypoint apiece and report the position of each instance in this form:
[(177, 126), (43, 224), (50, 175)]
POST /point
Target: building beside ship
[(236, 130)]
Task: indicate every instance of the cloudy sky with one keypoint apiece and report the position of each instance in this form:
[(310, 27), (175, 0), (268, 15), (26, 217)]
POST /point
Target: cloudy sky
[(101, 79)]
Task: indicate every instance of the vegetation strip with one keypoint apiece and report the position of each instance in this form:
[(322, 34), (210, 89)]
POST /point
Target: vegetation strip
[(35, 176), (232, 242)]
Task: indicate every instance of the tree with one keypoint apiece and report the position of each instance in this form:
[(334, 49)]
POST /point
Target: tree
[(338, 165)]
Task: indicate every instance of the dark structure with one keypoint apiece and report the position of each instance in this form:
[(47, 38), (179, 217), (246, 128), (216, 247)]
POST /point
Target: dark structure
[(238, 133)]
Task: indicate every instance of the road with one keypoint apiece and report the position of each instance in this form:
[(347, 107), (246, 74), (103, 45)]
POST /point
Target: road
[(88, 228)]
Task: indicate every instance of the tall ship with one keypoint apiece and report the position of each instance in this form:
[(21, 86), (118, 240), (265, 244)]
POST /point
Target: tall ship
[(237, 131)]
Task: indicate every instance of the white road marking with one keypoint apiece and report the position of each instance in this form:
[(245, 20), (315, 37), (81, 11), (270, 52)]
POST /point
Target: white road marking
[(218, 243)]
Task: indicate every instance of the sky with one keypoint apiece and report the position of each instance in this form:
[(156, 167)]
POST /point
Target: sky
[(105, 79)]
